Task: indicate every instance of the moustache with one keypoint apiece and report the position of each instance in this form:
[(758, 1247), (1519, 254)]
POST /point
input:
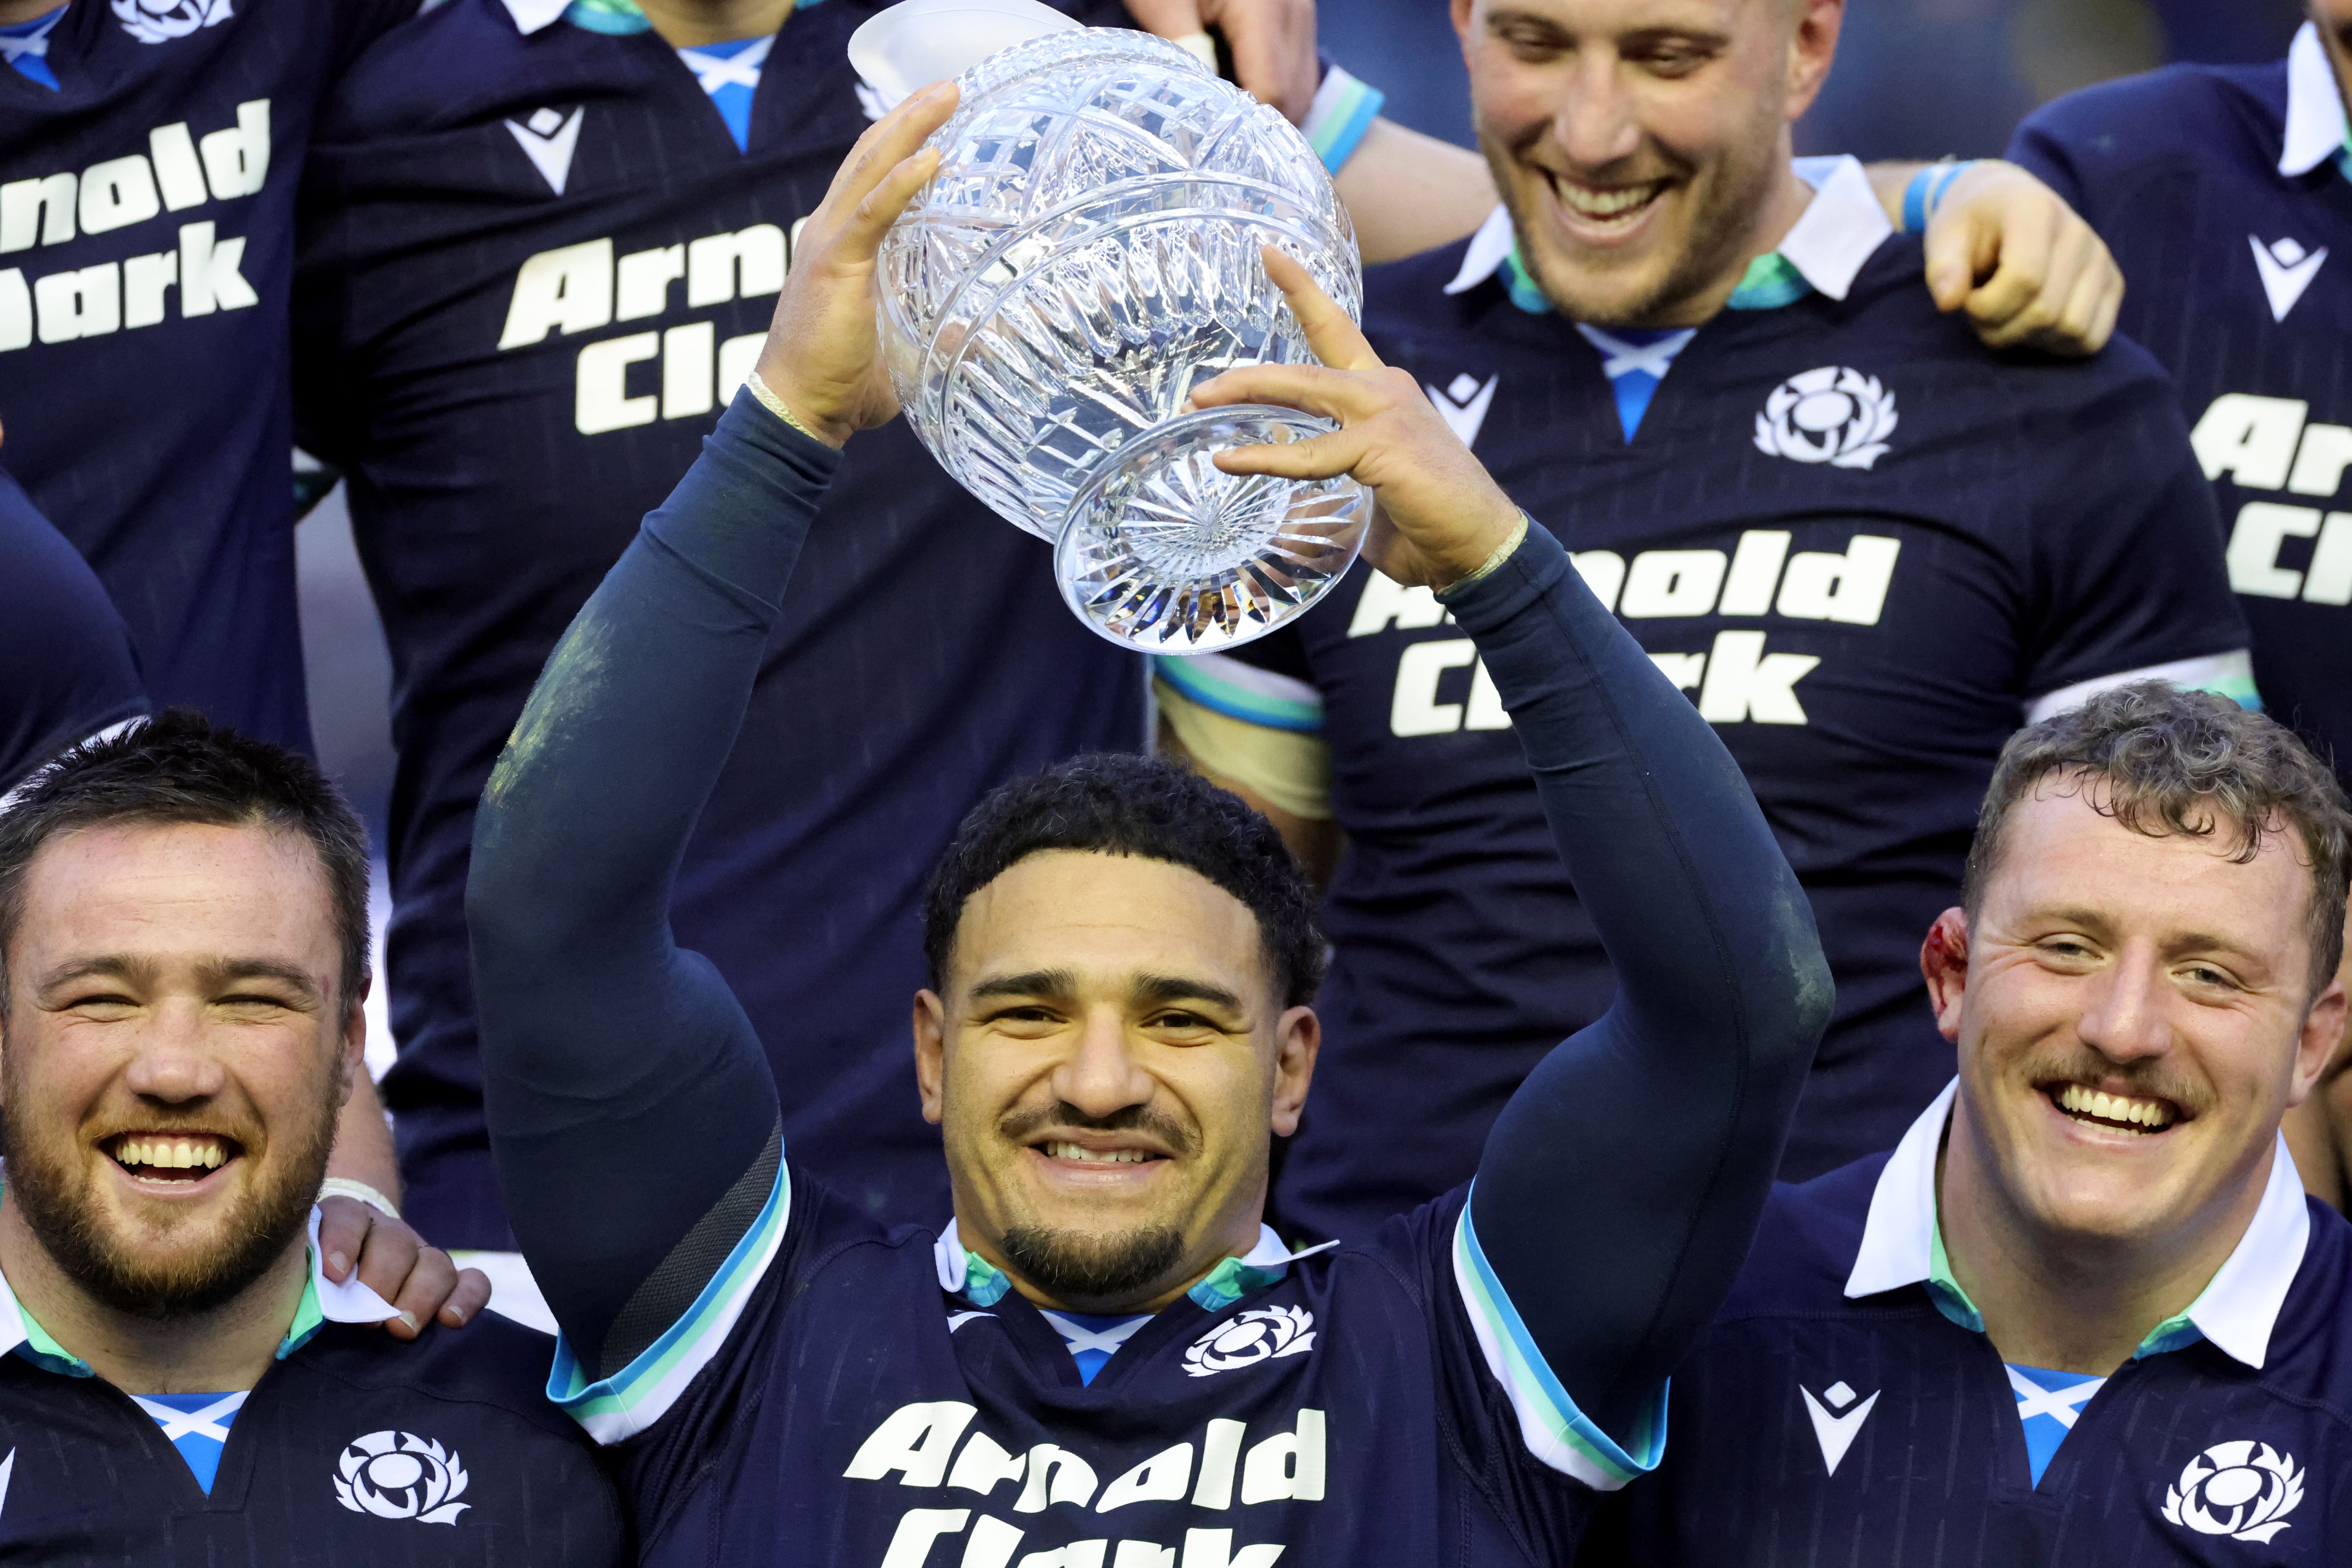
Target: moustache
[(1021, 1126)]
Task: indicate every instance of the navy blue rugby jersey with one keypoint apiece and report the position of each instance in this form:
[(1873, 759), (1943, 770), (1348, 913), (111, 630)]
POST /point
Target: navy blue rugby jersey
[(354, 1451), (2226, 195), (1866, 606), (1845, 1405), (537, 266), (146, 248), (67, 671), (845, 1396)]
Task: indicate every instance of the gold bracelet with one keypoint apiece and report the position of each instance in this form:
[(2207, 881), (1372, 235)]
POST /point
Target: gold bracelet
[(1503, 553), (775, 405), (344, 1187)]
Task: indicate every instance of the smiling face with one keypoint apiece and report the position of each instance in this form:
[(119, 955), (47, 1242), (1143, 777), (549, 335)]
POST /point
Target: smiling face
[(1105, 1063), (174, 1052), (2134, 1015), (1643, 145)]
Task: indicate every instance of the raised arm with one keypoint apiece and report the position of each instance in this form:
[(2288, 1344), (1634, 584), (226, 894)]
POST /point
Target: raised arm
[(1617, 1194), (631, 1107)]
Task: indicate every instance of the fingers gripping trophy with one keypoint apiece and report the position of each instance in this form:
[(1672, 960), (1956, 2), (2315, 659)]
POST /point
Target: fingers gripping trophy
[(1087, 252)]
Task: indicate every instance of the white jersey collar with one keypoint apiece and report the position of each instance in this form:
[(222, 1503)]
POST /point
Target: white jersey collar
[(530, 15), (1841, 228), (2237, 1309), (2314, 106)]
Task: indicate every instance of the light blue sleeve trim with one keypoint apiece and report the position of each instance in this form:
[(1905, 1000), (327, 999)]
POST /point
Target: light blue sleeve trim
[(640, 1392), (1555, 1430), (1243, 691), (1343, 109)]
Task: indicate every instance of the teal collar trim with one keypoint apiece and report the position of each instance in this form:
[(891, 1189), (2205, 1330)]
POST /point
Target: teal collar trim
[(323, 1301), (615, 18), (1902, 1243), (1841, 228), (1770, 281), (963, 1272)]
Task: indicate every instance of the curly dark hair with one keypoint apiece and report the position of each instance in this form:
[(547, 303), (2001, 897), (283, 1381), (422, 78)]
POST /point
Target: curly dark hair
[(2161, 761), (183, 768), (1115, 804)]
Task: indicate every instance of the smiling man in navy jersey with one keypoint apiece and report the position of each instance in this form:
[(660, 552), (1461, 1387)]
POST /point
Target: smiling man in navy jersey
[(2224, 191), (184, 1376), (1868, 548), (149, 155), (1105, 1360), (2084, 1313), (544, 240)]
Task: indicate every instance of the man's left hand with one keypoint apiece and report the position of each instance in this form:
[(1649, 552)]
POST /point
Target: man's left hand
[(420, 1281), (1273, 43), (2027, 271)]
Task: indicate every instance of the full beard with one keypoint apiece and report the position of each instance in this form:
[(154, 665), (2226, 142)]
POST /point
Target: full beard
[(1075, 1265), (1720, 232), (168, 1276)]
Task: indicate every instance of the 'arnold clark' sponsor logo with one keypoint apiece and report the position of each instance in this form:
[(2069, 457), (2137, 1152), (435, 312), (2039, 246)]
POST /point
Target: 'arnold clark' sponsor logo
[(688, 370), (2274, 444), (198, 275), (1736, 679), (1057, 1501)]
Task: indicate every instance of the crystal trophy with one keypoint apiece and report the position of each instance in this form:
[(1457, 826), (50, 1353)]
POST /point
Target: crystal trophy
[(1088, 251)]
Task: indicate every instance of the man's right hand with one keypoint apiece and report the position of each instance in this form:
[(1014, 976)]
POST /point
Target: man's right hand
[(1441, 515), (823, 358)]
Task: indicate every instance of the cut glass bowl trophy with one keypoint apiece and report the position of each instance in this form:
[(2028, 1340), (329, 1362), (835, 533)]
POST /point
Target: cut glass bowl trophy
[(1087, 252)]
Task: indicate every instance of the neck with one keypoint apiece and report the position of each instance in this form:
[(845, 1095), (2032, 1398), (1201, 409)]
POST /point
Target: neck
[(15, 11), (1784, 203), (220, 1352), (2063, 1301), (688, 23)]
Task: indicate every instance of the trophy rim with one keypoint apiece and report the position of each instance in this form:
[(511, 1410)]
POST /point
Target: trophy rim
[(1306, 426)]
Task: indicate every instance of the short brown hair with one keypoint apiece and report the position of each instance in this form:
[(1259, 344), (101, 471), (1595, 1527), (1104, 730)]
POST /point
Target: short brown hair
[(180, 768), (2160, 761)]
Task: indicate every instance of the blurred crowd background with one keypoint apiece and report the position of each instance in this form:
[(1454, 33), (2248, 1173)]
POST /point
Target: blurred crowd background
[(1914, 79)]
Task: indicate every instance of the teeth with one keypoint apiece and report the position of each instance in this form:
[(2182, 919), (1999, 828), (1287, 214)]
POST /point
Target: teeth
[(2149, 1113), (1103, 1157), (171, 1154), (1587, 202)]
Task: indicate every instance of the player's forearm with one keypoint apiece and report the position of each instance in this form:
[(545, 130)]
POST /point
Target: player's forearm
[(1617, 1193), (626, 1091), (1407, 192), (363, 1150)]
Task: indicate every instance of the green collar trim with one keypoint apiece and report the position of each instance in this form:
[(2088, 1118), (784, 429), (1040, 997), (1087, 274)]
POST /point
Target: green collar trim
[(1770, 281), (984, 1284), (2171, 1334), (42, 1350), (612, 17)]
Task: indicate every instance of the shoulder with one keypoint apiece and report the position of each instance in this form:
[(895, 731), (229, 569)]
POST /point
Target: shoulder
[(493, 1366), (2312, 1342), (1805, 1243), (2201, 111), (1889, 307), (1409, 296)]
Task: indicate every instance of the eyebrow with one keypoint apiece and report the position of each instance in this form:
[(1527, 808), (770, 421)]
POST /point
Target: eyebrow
[(1146, 988), (1151, 988), (212, 975)]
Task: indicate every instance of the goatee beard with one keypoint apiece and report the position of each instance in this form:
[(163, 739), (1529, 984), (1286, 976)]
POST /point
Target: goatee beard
[(1075, 1267)]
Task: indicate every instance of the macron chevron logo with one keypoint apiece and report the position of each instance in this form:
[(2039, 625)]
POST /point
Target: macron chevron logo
[(1836, 1433), (2287, 271), (548, 138), (1463, 404)]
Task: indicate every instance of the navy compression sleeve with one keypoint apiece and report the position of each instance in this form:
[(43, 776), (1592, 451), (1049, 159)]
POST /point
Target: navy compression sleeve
[(630, 1109), (1619, 1189)]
